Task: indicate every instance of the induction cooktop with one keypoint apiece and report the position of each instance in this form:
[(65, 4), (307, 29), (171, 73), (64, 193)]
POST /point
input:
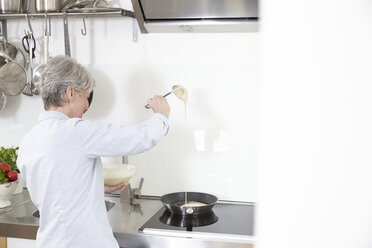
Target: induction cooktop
[(227, 221)]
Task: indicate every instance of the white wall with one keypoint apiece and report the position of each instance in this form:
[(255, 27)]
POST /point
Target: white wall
[(214, 150), (315, 187)]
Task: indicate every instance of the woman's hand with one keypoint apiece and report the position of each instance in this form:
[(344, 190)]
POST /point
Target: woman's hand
[(115, 189), (160, 105)]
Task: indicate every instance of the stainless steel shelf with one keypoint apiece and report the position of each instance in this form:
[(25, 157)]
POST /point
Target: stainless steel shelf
[(74, 13)]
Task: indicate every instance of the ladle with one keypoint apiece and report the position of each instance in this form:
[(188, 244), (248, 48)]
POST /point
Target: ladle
[(178, 90), (39, 69)]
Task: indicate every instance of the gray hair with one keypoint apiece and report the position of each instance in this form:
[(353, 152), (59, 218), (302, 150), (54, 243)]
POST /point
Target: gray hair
[(59, 73)]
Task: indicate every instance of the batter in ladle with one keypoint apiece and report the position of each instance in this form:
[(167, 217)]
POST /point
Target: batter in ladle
[(181, 93)]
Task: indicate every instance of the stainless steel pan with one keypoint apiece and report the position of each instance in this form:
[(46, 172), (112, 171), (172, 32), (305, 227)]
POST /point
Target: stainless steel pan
[(174, 201), (13, 52), (13, 77)]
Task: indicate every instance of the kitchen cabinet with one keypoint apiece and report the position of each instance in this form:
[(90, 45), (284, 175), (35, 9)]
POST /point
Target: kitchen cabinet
[(20, 243), (3, 242)]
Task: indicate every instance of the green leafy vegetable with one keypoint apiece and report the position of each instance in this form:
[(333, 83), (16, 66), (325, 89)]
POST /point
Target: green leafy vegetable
[(3, 178), (9, 156)]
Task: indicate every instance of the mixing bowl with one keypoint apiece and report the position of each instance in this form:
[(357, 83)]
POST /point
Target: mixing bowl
[(115, 173), (6, 190)]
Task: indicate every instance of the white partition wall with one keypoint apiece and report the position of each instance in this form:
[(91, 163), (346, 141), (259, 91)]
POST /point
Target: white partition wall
[(315, 187)]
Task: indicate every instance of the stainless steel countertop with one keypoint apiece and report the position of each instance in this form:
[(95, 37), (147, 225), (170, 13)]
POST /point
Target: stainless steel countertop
[(123, 217), (18, 221)]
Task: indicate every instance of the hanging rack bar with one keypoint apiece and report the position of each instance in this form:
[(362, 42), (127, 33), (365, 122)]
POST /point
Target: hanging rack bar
[(118, 13)]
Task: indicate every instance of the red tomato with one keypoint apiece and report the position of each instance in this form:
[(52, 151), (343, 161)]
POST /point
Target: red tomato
[(4, 166), (12, 176)]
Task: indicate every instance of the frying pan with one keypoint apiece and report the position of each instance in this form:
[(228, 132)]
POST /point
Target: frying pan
[(174, 201)]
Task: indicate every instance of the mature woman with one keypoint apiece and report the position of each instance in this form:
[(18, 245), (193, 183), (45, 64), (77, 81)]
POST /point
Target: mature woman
[(60, 158)]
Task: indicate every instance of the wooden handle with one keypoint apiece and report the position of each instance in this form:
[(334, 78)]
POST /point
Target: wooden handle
[(3, 242)]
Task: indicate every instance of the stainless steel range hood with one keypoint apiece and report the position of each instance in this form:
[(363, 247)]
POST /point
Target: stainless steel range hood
[(169, 16)]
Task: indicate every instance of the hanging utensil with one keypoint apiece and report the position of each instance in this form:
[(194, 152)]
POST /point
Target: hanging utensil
[(84, 5), (84, 31), (67, 37), (2, 100), (39, 69), (178, 90), (77, 5), (12, 51), (29, 45), (13, 78), (50, 35)]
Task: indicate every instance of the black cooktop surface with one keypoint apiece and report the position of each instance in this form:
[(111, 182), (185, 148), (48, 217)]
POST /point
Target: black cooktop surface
[(235, 219)]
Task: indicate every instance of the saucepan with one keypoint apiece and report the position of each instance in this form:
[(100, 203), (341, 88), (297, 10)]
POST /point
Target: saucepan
[(10, 6), (43, 6), (174, 202)]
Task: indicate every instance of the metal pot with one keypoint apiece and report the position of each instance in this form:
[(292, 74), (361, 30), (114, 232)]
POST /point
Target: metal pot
[(45, 6), (174, 201), (28, 6), (10, 6)]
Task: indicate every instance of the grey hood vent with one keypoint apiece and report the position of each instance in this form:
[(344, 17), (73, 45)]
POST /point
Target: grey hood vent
[(167, 16)]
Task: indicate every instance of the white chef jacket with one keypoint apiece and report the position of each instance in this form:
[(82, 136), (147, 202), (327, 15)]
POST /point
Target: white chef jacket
[(60, 161)]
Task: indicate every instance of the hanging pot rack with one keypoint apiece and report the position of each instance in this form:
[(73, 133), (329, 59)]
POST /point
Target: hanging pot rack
[(82, 13), (117, 13)]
